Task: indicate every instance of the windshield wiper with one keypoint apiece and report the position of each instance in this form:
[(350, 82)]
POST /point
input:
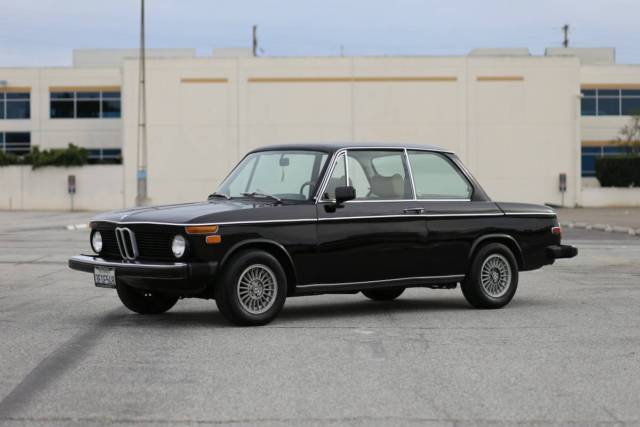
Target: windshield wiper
[(216, 194), (256, 195)]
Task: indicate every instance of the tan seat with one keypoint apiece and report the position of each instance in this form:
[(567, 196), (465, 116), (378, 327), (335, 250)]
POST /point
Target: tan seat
[(391, 187)]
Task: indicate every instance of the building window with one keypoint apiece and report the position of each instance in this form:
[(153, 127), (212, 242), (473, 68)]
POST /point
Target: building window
[(15, 105), (18, 143), (85, 105), (610, 102), (105, 156), (590, 154)]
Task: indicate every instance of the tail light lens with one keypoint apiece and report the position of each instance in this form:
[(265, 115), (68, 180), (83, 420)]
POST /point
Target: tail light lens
[(556, 230)]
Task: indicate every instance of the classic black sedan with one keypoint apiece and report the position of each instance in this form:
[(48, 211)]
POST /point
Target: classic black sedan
[(294, 220)]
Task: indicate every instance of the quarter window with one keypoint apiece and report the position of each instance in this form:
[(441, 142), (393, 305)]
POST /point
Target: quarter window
[(85, 104), (436, 177), (379, 175), (15, 105), (17, 143)]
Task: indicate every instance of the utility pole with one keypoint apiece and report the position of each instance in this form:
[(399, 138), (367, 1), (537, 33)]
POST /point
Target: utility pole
[(141, 174), (255, 40), (565, 31)]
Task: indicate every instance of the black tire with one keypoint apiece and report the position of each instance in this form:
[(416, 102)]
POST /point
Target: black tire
[(228, 288), (387, 294), (499, 289), (145, 302)]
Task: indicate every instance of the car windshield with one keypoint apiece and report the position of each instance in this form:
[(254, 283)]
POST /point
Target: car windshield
[(277, 174)]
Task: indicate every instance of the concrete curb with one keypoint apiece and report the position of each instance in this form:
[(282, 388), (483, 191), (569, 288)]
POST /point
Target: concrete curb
[(602, 227)]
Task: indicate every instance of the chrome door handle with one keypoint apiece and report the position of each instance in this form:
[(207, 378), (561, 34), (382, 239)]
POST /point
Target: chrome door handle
[(413, 210)]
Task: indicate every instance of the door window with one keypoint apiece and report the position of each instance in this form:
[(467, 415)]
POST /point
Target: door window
[(379, 175), (435, 177)]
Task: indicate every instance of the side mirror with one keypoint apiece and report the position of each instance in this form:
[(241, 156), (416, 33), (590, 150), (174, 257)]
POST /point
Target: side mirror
[(344, 194)]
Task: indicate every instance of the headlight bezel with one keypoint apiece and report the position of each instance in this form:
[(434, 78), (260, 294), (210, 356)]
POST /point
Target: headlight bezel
[(100, 243), (180, 240)]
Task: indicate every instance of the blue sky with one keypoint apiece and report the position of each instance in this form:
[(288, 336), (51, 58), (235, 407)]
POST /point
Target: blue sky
[(43, 32)]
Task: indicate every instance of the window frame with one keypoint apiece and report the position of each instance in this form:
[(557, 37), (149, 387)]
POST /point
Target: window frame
[(319, 197), (595, 95), (6, 100), (4, 142), (75, 99)]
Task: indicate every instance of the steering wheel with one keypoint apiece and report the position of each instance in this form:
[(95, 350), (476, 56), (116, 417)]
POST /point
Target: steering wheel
[(304, 185)]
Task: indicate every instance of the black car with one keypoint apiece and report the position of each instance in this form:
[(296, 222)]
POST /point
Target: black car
[(310, 219)]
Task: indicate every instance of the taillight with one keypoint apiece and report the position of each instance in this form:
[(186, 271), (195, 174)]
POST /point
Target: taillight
[(556, 230)]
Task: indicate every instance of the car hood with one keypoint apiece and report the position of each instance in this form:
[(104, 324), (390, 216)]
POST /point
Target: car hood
[(185, 213)]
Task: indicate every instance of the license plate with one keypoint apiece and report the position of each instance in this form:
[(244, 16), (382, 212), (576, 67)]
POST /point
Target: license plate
[(104, 277)]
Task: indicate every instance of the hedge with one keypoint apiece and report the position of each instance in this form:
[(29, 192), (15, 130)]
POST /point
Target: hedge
[(618, 171), (70, 156)]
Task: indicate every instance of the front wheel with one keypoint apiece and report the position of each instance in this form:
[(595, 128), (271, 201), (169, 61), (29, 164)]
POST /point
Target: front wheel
[(144, 302), (493, 278), (252, 288)]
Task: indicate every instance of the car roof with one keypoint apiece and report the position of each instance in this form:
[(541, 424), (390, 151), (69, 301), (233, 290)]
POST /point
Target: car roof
[(335, 146)]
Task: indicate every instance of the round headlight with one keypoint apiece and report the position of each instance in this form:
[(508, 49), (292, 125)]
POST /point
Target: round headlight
[(178, 246), (96, 242)]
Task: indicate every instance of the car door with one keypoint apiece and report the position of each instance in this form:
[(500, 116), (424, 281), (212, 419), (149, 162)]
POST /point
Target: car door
[(454, 216), (381, 234)]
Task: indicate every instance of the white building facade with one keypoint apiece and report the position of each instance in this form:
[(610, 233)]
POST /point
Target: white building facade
[(517, 121)]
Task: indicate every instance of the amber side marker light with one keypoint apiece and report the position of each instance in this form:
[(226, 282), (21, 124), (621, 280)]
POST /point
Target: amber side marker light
[(556, 230), (213, 240), (201, 229)]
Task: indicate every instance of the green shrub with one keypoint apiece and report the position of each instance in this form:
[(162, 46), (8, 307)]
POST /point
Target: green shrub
[(66, 157), (8, 159), (618, 171)]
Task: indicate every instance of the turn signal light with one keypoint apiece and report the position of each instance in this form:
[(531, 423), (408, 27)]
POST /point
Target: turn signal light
[(213, 240), (201, 229), (556, 230)]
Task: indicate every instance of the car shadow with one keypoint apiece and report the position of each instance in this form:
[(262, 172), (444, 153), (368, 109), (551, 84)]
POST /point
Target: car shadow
[(292, 313)]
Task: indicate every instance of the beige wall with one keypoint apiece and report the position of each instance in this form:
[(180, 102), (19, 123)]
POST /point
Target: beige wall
[(56, 133), (516, 128), (98, 187)]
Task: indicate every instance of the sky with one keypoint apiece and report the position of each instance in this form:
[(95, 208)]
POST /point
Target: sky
[(44, 32)]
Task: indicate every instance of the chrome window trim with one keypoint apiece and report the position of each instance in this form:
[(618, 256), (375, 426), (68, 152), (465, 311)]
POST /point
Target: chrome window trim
[(413, 184), (532, 213), (447, 277), (325, 178)]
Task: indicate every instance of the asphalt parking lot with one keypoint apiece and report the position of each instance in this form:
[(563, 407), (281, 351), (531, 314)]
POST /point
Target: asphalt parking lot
[(566, 351)]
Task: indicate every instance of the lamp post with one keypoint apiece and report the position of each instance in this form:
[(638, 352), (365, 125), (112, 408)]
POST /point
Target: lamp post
[(141, 172)]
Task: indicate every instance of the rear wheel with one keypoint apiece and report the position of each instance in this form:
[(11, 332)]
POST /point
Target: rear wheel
[(144, 302), (252, 288), (383, 294), (493, 277)]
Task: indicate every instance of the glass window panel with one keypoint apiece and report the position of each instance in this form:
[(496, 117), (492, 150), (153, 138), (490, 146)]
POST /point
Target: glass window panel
[(338, 179), (62, 110), (588, 106), (17, 137), (87, 109), (436, 178), (591, 150), (1, 96), (614, 150), (588, 165), (630, 106), (1, 109), (87, 95), (61, 95), (630, 92), (111, 94), (608, 106), (18, 95), (588, 92), (18, 110), (608, 92), (381, 175), (17, 142), (111, 109)]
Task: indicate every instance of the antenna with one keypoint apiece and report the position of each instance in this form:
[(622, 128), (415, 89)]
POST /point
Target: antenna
[(565, 31), (255, 40), (141, 176)]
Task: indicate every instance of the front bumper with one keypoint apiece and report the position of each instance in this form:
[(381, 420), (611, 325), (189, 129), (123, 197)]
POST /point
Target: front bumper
[(181, 277), (561, 251)]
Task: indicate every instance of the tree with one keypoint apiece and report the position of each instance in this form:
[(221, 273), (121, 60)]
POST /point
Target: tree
[(629, 135)]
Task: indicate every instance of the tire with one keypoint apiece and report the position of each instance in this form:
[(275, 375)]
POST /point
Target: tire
[(144, 302), (388, 294), (252, 288), (500, 277)]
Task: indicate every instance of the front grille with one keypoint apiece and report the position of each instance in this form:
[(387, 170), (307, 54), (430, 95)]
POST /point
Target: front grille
[(150, 245)]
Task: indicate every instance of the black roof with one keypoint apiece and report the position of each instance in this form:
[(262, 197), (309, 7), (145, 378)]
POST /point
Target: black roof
[(335, 146)]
